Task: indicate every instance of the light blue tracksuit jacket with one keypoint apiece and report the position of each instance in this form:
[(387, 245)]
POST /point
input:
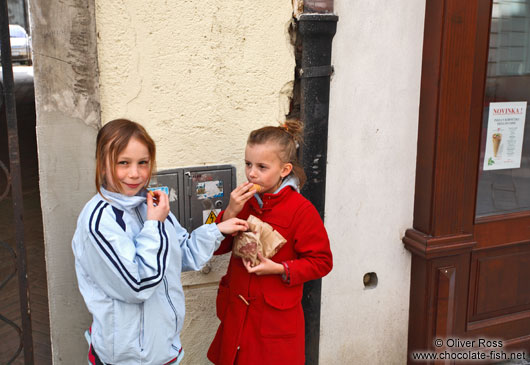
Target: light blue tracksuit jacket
[(128, 270)]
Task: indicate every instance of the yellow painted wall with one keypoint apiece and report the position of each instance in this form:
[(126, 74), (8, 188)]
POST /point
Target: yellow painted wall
[(199, 75)]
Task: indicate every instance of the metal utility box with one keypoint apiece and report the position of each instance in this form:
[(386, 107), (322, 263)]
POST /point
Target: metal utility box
[(173, 180), (198, 194)]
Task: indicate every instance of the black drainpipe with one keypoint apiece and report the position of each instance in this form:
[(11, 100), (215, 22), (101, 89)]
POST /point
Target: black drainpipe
[(317, 31)]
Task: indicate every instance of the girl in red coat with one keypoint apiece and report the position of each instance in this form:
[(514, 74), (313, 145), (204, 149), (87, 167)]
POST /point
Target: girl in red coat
[(262, 321)]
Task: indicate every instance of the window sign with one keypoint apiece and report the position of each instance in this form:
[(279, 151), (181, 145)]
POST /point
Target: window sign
[(504, 139)]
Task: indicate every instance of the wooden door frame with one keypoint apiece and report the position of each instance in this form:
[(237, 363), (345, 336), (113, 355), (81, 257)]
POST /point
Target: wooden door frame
[(451, 101)]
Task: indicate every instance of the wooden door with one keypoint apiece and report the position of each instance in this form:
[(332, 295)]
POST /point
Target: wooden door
[(470, 242)]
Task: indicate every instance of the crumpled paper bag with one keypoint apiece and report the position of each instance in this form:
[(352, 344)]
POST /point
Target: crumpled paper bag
[(260, 237)]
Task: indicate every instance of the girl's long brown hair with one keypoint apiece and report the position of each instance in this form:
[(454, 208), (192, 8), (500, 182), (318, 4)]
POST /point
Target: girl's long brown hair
[(288, 137), (112, 139)]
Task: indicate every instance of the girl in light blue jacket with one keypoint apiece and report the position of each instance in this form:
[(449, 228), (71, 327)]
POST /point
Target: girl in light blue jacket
[(130, 251)]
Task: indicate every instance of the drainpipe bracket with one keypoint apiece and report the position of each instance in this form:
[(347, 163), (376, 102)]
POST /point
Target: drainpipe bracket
[(316, 71), (319, 17)]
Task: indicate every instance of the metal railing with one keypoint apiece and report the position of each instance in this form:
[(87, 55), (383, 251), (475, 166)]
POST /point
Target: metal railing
[(13, 179)]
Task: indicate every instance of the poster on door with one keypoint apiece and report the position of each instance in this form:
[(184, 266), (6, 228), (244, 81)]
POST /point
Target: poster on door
[(504, 140)]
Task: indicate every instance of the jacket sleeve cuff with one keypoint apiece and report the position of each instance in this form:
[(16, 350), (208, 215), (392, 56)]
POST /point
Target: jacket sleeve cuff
[(286, 276), (151, 227), (151, 223), (226, 244), (216, 232)]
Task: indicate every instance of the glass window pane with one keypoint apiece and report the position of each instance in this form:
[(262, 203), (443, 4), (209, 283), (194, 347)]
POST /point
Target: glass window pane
[(506, 190)]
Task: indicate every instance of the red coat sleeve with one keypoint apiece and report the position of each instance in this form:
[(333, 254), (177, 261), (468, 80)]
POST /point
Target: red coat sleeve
[(311, 243)]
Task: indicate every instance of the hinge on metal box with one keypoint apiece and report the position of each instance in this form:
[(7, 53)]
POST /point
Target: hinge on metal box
[(188, 183), (316, 71)]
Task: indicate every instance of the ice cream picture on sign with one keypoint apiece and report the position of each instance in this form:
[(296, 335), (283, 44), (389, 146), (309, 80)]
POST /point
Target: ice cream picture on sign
[(497, 137)]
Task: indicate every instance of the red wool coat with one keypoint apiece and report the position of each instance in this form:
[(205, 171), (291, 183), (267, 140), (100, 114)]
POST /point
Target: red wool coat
[(270, 328)]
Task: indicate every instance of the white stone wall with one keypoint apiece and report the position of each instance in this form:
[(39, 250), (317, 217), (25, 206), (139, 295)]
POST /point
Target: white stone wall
[(370, 179), (199, 75)]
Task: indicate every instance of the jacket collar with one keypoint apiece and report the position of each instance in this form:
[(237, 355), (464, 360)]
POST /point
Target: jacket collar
[(124, 202)]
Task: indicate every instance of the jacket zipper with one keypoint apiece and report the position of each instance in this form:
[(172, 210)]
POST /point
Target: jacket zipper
[(141, 339), (171, 303), (139, 215)]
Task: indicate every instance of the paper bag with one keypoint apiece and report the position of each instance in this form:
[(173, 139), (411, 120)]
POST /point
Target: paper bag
[(260, 237)]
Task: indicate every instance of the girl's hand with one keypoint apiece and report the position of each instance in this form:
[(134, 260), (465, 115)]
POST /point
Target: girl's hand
[(232, 226), (161, 210), (265, 267), (238, 198)]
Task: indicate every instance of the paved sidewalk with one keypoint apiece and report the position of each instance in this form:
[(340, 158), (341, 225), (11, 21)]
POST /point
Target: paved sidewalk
[(515, 362)]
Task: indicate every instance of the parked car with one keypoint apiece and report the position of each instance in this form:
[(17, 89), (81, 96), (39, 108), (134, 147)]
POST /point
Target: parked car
[(20, 44)]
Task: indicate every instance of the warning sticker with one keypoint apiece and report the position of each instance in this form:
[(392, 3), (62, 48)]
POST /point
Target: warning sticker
[(209, 216)]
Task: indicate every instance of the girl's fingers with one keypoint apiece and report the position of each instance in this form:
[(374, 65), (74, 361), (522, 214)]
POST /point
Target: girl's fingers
[(249, 194), (242, 187), (160, 198), (247, 264), (239, 228), (238, 187), (242, 199), (241, 225), (149, 201), (158, 194), (159, 211), (258, 269), (232, 226), (163, 198)]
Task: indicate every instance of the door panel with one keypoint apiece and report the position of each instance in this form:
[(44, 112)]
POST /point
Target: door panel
[(499, 281)]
